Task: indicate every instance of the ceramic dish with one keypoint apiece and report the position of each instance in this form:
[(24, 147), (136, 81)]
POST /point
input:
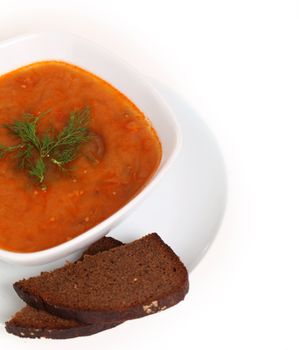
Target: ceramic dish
[(21, 51)]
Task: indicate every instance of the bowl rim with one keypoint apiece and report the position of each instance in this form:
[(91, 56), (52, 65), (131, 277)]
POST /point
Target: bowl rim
[(77, 243)]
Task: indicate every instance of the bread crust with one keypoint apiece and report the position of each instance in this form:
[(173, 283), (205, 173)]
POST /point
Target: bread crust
[(65, 333)]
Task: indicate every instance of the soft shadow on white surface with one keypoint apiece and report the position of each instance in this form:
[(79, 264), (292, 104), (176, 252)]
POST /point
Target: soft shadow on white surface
[(186, 208)]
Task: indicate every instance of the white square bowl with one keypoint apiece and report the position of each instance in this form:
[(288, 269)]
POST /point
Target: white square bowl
[(24, 50)]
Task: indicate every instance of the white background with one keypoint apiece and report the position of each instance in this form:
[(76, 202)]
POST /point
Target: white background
[(237, 64)]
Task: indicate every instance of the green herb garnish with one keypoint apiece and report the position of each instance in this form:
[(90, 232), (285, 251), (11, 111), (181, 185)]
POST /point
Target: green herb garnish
[(35, 151)]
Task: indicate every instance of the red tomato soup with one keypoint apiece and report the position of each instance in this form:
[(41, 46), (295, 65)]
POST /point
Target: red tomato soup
[(121, 153)]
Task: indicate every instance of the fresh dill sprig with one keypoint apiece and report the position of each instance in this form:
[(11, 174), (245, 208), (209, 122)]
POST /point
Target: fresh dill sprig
[(65, 156), (46, 145), (75, 131), (24, 156), (7, 149), (34, 150), (38, 170), (65, 148), (26, 129)]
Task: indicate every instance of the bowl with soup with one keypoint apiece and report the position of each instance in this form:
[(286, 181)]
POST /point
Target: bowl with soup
[(83, 139)]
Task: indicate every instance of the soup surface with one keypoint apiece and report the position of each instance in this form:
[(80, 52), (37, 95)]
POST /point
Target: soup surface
[(121, 154)]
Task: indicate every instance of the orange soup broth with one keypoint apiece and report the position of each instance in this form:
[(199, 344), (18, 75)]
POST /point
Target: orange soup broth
[(122, 155)]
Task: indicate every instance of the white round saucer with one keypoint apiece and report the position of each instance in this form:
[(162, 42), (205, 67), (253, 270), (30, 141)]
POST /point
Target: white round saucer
[(185, 208)]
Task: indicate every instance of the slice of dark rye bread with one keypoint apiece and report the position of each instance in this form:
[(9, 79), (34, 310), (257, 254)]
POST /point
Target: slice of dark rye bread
[(33, 323), (103, 244), (127, 282)]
